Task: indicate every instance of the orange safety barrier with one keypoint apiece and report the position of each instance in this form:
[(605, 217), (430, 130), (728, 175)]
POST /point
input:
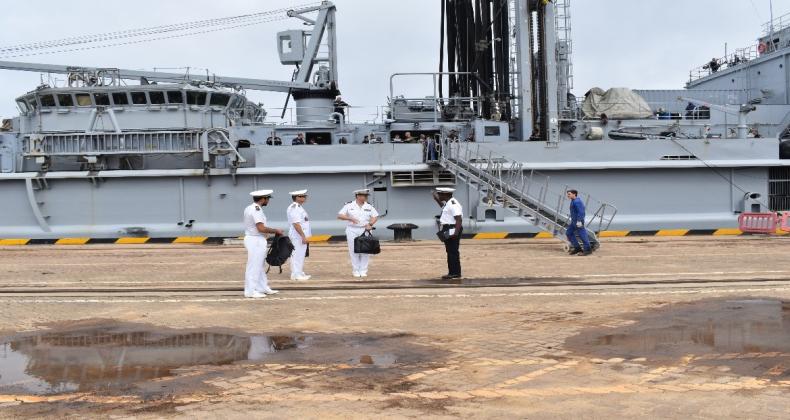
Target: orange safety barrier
[(785, 225), (758, 222)]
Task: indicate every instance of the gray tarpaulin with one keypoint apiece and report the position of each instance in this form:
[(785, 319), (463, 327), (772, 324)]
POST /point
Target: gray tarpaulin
[(616, 103)]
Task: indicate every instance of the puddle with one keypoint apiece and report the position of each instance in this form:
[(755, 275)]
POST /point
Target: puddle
[(757, 330), (97, 356)]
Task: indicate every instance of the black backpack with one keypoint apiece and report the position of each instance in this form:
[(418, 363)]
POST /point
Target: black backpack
[(279, 252)]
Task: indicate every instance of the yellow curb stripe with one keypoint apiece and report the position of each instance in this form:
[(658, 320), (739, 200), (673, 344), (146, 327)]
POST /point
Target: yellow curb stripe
[(544, 235), (14, 241), (129, 241), (614, 234), (725, 232), (672, 232), (319, 238), (190, 240), (491, 235), (72, 241)]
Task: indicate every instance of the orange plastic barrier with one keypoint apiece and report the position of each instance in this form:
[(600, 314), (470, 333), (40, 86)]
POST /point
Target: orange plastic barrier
[(785, 226), (758, 222)]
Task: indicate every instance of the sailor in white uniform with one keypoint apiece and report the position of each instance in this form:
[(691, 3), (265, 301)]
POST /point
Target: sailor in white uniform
[(361, 216), (256, 284), (451, 226), (299, 233)]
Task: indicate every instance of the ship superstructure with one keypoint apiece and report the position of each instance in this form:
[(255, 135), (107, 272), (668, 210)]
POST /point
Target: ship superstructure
[(174, 155)]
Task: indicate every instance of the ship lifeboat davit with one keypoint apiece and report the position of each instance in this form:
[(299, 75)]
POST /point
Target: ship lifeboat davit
[(784, 149)]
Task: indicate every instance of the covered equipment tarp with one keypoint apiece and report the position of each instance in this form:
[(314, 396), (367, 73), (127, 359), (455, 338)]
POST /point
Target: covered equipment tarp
[(616, 103)]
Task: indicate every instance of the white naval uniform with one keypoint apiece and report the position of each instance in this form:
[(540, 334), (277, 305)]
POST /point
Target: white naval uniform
[(255, 280), (363, 214), (297, 214), (451, 209)]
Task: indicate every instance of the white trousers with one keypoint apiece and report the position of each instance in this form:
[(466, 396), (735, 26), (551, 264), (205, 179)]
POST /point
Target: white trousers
[(255, 280), (359, 262), (297, 257)]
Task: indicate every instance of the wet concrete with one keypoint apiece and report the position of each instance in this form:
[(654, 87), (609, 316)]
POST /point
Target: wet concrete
[(748, 336), (102, 355)]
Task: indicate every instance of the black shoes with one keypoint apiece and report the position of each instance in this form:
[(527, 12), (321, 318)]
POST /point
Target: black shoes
[(584, 253), (574, 251), (451, 276)]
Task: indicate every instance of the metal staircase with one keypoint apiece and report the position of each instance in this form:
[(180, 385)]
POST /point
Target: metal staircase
[(529, 194)]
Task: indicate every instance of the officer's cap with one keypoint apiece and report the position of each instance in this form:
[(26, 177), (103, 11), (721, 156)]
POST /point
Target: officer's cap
[(364, 191), (445, 190), (262, 193), (298, 192)]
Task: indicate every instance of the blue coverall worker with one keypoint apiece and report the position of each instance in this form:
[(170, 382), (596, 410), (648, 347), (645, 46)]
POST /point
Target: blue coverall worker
[(576, 226)]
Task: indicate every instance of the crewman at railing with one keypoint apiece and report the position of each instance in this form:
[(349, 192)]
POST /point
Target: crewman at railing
[(340, 108)]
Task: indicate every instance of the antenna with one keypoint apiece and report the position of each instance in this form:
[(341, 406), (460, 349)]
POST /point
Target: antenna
[(771, 24)]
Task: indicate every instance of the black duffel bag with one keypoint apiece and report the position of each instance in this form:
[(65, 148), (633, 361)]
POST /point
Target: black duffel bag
[(366, 244)]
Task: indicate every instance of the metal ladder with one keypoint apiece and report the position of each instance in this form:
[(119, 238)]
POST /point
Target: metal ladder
[(529, 194)]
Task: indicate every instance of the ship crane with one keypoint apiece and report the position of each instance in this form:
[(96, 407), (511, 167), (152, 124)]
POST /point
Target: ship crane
[(297, 47), (742, 112)]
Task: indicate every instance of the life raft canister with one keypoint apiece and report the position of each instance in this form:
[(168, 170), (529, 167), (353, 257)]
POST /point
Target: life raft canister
[(762, 48)]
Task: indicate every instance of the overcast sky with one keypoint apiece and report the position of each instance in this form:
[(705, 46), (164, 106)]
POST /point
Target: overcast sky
[(630, 43)]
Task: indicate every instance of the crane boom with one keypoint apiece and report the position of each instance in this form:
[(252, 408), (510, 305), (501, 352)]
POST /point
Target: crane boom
[(155, 76)]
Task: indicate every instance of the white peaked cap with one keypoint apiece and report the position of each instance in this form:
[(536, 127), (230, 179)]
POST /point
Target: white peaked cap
[(298, 192), (364, 191), (262, 193), (445, 190)]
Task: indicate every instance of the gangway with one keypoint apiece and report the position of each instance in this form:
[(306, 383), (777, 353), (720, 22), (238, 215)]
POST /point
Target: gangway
[(527, 193)]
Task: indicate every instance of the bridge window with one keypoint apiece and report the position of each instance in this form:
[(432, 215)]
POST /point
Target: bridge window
[(157, 98), (175, 97), (138, 98), (31, 103), (47, 100), (65, 100), (22, 106), (83, 99), (196, 98), (219, 99), (120, 98), (101, 99)]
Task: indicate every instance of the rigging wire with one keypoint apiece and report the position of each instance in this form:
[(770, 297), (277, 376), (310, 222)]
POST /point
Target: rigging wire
[(85, 48), (230, 22)]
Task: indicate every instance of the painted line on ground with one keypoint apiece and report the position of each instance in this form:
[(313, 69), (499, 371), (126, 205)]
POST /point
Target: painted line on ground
[(215, 240), (148, 299), (349, 280)]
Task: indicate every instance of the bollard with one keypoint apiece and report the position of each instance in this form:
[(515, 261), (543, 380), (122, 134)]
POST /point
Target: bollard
[(402, 231)]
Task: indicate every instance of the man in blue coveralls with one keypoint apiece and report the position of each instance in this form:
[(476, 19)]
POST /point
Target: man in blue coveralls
[(576, 226)]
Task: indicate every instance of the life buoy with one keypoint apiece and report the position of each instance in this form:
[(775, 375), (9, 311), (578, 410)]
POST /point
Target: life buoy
[(762, 48)]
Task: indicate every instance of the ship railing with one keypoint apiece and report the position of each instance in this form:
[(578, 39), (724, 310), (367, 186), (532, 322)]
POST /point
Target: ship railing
[(373, 114), (436, 109), (776, 25), (740, 57), (109, 143), (529, 193)]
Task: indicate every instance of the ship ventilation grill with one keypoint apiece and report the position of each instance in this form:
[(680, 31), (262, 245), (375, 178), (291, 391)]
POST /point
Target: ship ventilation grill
[(779, 189), (678, 157), (422, 178)]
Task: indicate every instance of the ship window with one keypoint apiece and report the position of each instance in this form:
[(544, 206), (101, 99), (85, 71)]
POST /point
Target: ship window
[(83, 99), (65, 100), (491, 130), (31, 103), (175, 97), (22, 106), (219, 99), (101, 98), (138, 98), (120, 98), (47, 100), (196, 98), (157, 98)]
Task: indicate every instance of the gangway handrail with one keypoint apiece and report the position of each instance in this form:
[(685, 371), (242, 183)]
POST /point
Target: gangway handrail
[(506, 181)]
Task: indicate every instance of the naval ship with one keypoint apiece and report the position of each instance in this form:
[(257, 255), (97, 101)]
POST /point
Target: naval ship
[(129, 156)]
